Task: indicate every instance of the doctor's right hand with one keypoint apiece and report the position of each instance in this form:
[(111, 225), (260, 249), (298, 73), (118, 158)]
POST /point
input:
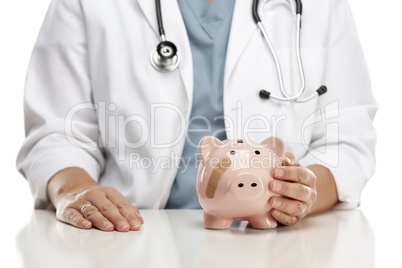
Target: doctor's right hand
[(83, 203)]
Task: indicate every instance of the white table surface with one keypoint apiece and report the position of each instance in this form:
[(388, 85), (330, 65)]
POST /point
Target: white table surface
[(176, 238)]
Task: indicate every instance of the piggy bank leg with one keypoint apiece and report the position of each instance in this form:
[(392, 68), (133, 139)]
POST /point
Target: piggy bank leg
[(212, 222), (265, 221)]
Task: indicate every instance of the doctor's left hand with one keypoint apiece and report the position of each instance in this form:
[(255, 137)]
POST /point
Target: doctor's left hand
[(297, 184)]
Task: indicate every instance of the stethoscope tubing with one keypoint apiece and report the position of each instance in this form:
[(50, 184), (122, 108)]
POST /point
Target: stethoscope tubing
[(278, 65), (160, 20), (167, 61)]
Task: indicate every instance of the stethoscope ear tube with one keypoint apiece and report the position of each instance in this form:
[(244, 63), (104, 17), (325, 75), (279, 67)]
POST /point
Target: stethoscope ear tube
[(322, 90), (264, 94)]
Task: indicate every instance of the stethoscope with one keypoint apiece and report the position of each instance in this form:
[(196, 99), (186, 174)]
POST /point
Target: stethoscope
[(165, 58)]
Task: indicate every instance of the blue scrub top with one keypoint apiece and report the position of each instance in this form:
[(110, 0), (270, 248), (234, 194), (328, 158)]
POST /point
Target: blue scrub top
[(208, 27)]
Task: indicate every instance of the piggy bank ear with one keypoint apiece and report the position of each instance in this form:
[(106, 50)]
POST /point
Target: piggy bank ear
[(207, 145), (276, 144)]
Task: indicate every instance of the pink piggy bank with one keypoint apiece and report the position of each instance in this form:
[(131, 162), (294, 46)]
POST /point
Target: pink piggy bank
[(233, 181)]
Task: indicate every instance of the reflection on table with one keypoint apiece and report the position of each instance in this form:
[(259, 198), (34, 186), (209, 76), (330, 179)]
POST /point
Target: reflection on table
[(176, 238)]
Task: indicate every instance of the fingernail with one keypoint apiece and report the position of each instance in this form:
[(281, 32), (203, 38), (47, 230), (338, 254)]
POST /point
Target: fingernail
[(86, 224), (279, 173), (107, 225), (276, 213), (135, 223), (277, 186), (123, 225), (277, 203)]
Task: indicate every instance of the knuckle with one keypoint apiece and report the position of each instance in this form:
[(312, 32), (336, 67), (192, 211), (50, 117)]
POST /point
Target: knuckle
[(301, 192), (312, 176), (73, 217), (299, 208), (314, 196), (130, 217), (288, 220), (90, 193), (107, 207), (123, 205), (301, 174), (96, 219), (129, 213), (293, 220), (109, 189), (62, 214), (90, 212), (68, 215)]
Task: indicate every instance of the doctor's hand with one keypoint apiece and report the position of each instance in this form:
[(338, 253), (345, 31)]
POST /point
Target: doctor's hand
[(83, 203), (297, 184)]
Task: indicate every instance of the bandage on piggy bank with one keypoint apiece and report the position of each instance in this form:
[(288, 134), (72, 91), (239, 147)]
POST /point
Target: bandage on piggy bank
[(233, 181)]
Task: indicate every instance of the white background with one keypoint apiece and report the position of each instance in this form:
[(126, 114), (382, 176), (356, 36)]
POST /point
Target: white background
[(380, 27)]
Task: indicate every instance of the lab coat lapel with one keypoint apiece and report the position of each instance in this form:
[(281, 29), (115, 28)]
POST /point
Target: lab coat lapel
[(242, 30), (175, 31), (149, 10)]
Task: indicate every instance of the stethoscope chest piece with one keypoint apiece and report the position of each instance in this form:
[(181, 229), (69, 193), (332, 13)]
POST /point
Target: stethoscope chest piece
[(164, 57)]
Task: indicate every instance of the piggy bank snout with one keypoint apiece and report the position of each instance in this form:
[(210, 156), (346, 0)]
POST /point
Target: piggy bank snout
[(247, 186)]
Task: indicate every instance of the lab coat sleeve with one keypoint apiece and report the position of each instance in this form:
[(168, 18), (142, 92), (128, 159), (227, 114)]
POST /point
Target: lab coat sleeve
[(343, 134), (60, 121)]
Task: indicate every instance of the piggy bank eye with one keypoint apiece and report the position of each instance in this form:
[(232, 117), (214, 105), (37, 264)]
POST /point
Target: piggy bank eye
[(257, 152), (240, 185), (232, 152)]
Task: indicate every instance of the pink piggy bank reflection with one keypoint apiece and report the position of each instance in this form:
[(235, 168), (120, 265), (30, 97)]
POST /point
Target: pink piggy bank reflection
[(233, 179)]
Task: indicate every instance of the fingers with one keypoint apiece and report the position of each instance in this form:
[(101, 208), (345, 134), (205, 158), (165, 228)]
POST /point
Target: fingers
[(284, 218), (115, 208), (293, 190), (288, 206), (101, 207), (75, 218), (290, 160), (286, 211), (126, 209), (298, 185), (298, 174), (92, 214), (107, 210)]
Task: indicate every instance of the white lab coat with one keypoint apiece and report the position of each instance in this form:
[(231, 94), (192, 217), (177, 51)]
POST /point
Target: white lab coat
[(96, 52)]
